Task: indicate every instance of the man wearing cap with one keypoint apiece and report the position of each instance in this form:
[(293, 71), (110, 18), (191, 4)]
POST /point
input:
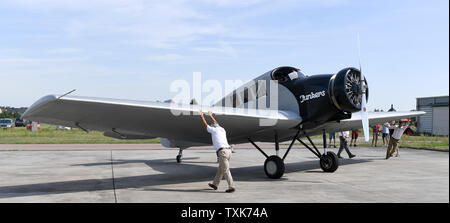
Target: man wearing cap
[(223, 151)]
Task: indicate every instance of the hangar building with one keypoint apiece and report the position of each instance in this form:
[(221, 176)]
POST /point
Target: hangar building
[(436, 120)]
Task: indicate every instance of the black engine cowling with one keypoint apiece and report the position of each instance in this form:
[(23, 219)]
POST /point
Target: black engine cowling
[(345, 90), (327, 97)]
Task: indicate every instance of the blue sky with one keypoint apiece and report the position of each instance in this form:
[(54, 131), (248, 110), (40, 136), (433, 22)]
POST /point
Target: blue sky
[(134, 49)]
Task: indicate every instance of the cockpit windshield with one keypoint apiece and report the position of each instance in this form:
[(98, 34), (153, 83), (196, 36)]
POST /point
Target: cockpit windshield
[(285, 74)]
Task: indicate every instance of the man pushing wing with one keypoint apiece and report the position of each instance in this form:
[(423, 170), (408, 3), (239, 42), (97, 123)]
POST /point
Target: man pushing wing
[(223, 151)]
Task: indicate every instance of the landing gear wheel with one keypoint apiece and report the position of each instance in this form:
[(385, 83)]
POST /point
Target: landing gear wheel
[(329, 162), (274, 167), (179, 158)]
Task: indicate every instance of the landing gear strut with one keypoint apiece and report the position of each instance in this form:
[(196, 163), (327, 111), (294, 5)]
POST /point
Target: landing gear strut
[(180, 155), (329, 161), (274, 165)]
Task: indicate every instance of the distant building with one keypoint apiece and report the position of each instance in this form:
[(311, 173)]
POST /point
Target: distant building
[(436, 120)]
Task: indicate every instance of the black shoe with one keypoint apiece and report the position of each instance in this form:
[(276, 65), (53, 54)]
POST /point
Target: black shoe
[(351, 156), (213, 186), (231, 190), (355, 145), (334, 146), (339, 156)]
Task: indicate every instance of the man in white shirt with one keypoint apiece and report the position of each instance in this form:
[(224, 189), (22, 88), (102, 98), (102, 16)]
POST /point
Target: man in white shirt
[(343, 137), (223, 150), (395, 137)]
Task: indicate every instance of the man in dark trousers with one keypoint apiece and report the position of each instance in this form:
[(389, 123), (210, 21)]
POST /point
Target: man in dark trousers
[(223, 151), (343, 137), (395, 138)]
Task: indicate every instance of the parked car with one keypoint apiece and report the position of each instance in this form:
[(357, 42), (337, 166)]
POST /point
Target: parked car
[(30, 125), (60, 127), (19, 123), (6, 123)]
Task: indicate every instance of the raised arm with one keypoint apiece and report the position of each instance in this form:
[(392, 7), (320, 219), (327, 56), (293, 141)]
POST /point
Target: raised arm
[(203, 119), (210, 114)]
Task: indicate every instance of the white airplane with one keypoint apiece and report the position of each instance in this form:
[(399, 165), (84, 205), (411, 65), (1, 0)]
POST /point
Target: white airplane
[(305, 106)]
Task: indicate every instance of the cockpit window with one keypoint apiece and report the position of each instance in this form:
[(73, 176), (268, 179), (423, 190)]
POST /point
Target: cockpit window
[(285, 74), (293, 75), (301, 74)]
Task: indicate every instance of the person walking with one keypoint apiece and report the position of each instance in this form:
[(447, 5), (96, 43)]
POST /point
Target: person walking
[(343, 137), (375, 133), (223, 151), (332, 136), (395, 138)]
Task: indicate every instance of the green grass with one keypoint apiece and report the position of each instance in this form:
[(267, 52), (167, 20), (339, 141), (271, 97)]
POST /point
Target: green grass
[(425, 142), (418, 142), (48, 134)]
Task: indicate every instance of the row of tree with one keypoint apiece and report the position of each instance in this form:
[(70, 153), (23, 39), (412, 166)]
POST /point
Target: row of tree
[(6, 114)]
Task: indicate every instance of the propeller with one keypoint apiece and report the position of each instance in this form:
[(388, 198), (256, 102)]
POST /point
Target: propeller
[(364, 113)]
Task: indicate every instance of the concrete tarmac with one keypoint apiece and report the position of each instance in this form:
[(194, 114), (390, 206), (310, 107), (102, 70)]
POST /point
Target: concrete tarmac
[(128, 173)]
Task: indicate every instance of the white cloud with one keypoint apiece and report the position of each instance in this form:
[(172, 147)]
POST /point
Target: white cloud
[(222, 48), (157, 24), (233, 3), (41, 60), (64, 51), (165, 57)]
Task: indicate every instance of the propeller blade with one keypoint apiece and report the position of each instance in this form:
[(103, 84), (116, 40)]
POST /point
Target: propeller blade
[(364, 114), (359, 55), (365, 118)]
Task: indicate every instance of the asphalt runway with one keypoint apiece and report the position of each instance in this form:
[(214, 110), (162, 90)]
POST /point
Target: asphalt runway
[(149, 173)]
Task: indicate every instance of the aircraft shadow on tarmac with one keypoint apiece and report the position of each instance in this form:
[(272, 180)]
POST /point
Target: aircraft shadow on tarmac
[(171, 173)]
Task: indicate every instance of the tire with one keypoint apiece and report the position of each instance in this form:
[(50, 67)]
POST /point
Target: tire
[(274, 167), (329, 162), (179, 158)]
